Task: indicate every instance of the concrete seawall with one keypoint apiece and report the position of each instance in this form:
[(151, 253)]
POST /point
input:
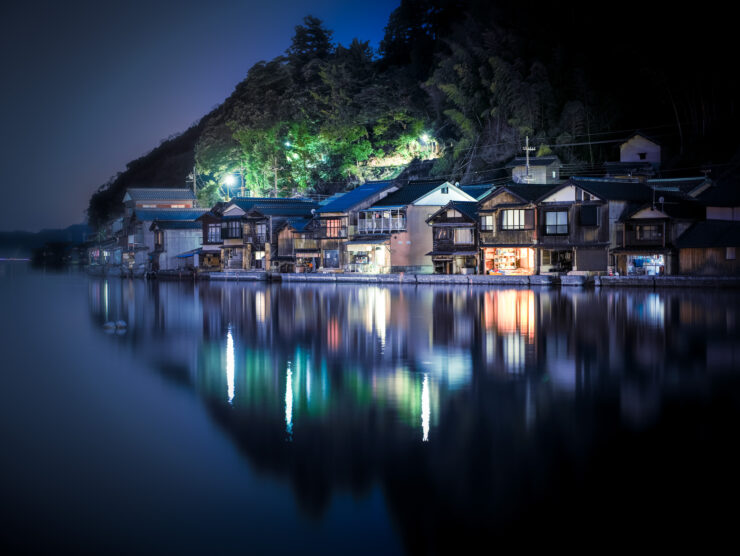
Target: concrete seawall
[(653, 282)]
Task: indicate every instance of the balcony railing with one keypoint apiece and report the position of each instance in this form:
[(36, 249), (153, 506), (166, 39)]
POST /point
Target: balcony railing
[(381, 225)]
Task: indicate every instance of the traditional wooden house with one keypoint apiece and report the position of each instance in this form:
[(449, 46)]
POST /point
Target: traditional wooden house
[(239, 234), (509, 229), (177, 244), (649, 235), (392, 234), (579, 222), (535, 169), (297, 245), (141, 249), (454, 238), (639, 157), (338, 221), (710, 247)]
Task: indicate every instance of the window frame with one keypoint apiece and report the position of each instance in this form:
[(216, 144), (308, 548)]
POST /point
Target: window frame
[(556, 229)]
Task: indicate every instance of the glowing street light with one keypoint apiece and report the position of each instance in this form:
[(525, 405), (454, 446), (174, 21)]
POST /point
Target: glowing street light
[(230, 180), (425, 138)]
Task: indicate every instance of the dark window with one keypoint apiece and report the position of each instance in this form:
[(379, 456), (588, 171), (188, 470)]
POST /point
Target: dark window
[(650, 231), (589, 215), (445, 190), (441, 233), (556, 223), (214, 233), (642, 156)]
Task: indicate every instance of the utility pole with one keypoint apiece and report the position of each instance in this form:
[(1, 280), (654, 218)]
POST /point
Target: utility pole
[(527, 150)]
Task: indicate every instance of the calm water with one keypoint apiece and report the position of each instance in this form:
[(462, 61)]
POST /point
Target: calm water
[(238, 418)]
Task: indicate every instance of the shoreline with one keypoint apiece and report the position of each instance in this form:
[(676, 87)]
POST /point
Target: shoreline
[(653, 282)]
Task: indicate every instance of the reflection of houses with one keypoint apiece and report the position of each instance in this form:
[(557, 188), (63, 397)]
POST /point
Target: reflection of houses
[(454, 238), (508, 229), (393, 234), (338, 224)]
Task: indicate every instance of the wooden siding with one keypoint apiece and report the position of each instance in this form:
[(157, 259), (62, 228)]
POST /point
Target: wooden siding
[(709, 261)]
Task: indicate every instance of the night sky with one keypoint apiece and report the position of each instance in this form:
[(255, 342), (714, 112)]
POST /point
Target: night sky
[(88, 86)]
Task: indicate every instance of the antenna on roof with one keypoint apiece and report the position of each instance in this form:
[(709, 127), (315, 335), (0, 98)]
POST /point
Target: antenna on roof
[(527, 150)]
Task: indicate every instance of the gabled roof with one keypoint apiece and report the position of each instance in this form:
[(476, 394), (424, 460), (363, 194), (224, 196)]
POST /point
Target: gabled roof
[(158, 194), (304, 209), (146, 215), (609, 189), (466, 208), (408, 194), (477, 191), (247, 203), (683, 186), (176, 225), (711, 233), (349, 200), (672, 208), (534, 161), (527, 192), (643, 135)]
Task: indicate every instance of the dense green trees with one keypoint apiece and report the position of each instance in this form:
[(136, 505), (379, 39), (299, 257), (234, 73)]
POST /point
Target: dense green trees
[(459, 81)]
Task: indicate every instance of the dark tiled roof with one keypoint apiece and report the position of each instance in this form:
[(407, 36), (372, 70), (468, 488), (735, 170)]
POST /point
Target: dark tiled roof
[(711, 233), (160, 194), (298, 224), (477, 191), (408, 194), (721, 196), (168, 214), (615, 190), (533, 161), (304, 209), (528, 192), (176, 225), (641, 134), (679, 185), (467, 208), (352, 198), (246, 203), (674, 208), (629, 168)]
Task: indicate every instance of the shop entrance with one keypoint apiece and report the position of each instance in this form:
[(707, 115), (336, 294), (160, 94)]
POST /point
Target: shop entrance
[(509, 260)]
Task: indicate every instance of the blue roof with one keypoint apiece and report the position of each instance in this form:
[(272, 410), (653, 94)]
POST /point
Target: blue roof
[(247, 203), (355, 197), (477, 191), (167, 214)]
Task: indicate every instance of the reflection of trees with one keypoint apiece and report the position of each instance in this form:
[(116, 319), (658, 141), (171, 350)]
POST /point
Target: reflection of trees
[(516, 433)]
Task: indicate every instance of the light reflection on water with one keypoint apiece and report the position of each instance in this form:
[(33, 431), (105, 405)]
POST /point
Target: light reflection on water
[(517, 391)]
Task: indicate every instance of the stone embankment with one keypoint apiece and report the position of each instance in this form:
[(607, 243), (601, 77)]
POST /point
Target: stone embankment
[(573, 280)]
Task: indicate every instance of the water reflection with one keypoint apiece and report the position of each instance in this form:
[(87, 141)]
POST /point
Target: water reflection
[(516, 391)]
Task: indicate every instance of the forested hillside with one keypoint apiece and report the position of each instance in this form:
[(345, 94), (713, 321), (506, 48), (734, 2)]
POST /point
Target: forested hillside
[(460, 83)]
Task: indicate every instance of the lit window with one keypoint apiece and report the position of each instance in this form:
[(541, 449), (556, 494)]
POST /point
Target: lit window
[(463, 235), (332, 227), (512, 220), (556, 223), (486, 222)]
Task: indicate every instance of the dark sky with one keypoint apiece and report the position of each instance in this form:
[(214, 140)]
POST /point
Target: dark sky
[(87, 86)]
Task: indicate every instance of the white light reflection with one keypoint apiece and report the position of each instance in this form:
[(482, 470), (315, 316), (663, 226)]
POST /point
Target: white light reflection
[(289, 404), (425, 408), (230, 366)]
